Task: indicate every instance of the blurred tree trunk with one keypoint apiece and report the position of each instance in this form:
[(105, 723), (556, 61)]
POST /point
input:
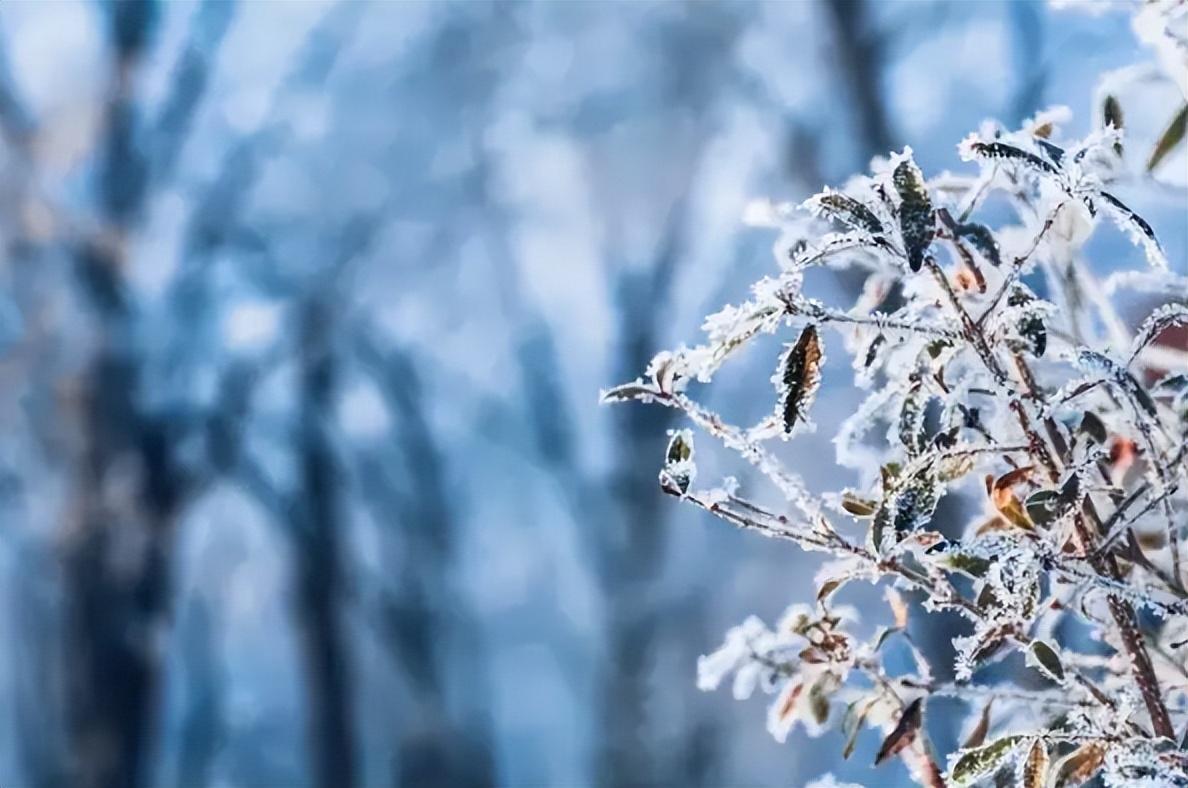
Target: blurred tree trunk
[(119, 540), (318, 560), (202, 721), (860, 52), (425, 623)]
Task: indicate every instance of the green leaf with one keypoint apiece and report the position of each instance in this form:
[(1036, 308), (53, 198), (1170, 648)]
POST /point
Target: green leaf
[(848, 211), (1044, 657), (977, 763), (917, 221)]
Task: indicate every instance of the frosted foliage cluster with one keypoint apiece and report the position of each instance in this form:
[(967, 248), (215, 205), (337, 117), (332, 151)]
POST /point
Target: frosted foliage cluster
[(998, 368)]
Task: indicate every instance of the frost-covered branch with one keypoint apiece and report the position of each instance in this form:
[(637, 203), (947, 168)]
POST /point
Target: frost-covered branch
[(1005, 373)]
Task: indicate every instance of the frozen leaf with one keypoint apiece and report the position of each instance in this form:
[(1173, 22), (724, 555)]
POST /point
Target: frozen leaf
[(972, 765), (629, 391), (911, 417), (1044, 657), (975, 148), (982, 239), (800, 377), (782, 714), (1137, 228), (679, 470), (859, 507), (845, 209), (917, 222), (908, 507), (1161, 319), (904, 732), (852, 722), (1031, 326)]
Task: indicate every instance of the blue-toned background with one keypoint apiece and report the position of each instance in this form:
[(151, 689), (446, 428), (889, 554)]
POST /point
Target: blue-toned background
[(304, 309)]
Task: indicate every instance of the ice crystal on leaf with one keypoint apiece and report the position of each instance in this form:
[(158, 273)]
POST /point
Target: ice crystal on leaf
[(997, 369)]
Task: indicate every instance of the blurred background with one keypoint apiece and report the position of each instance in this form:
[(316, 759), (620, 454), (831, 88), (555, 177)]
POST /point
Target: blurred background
[(304, 311)]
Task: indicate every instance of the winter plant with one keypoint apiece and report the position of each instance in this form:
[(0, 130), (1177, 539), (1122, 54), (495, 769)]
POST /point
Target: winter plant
[(998, 367)]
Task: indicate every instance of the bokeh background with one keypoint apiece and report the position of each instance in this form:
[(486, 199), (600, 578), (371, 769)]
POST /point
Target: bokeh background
[(304, 310)]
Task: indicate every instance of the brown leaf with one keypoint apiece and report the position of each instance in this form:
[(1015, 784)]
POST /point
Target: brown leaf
[(859, 507), (800, 377), (899, 608), (788, 702), (1035, 768), (977, 736), (1080, 765), (1171, 137), (905, 732), (1005, 500)]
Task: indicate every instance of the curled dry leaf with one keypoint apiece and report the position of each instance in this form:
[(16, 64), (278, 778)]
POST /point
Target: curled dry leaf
[(1002, 495)]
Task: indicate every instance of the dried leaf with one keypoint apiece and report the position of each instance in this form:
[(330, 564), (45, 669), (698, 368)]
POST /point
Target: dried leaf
[(859, 507), (1079, 766), (904, 733), (1035, 768), (1172, 136), (977, 763), (977, 736), (899, 608), (800, 377), (983, 240), (1005, 500)]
